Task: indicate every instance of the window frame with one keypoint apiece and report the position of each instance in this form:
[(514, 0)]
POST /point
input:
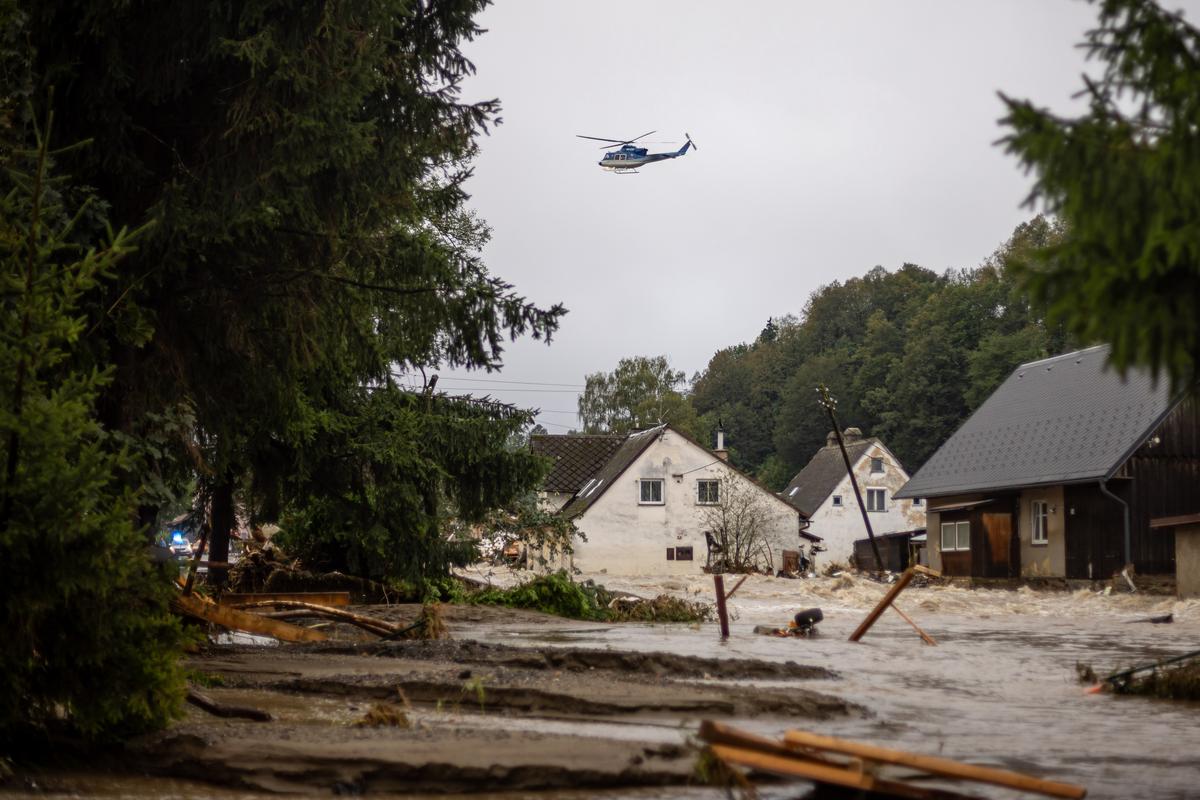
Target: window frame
[(662, 497), (877, 462), (837, 501), (958, 525), (881, 493), (1039, 523), (684, 553), (714, 497)]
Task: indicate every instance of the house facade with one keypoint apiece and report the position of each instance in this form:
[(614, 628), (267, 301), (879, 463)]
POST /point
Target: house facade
[(823, 494), (1059, 473), (647, 507)]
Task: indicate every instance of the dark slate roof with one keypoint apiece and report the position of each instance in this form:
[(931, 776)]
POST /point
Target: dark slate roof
[(600, 480), (576, 458), (822, 475), (1066, 419)]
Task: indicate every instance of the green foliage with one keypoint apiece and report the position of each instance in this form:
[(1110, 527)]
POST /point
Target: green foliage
[(305, 168), (547, 536), (640, 393), (88, 641), (1125, 178), (908, 354), (554, 593), (379, 478)]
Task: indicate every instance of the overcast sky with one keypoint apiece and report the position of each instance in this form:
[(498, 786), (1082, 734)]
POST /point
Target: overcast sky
[(832, 136)]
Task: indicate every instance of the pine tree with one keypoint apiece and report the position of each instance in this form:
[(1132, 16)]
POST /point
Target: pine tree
[(304, 165), (88, 641), (1125, 178)]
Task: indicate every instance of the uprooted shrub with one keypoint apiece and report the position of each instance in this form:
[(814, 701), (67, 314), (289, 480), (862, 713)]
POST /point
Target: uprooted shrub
[(556, 593)]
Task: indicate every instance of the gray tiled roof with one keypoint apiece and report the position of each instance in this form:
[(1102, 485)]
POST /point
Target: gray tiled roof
[(576, 458), (821, 475), (1066, 419), (630, 448)]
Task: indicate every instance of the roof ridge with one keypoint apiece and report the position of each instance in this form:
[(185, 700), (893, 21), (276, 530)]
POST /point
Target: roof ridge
[(1061, 356)]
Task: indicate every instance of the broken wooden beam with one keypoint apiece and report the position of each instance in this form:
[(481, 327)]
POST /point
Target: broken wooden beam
[(897, 588), (933, 765), (795, 766), (925, 637)]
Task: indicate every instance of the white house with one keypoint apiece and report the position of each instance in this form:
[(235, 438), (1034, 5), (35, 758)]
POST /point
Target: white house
[(645, 501), (823, 494)]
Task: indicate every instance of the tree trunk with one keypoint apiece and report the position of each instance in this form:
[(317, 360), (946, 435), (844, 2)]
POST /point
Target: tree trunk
[(222, 527)]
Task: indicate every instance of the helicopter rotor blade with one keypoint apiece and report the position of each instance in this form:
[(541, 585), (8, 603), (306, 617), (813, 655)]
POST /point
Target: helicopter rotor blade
[(689, 138), (600, 139), (615, 142)]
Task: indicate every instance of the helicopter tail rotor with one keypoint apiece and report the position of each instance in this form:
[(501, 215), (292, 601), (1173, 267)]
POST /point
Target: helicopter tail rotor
[(688, 136)]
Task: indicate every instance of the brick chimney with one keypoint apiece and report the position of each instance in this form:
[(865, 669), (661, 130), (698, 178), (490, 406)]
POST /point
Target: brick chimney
[(831, 439), (852, 435), (721, 452)]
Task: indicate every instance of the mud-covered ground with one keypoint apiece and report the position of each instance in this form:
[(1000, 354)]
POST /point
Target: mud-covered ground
[(520, 704), (480, 717)]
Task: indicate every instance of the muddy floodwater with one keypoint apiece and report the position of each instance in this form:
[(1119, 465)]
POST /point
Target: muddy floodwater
[(1000, 689)]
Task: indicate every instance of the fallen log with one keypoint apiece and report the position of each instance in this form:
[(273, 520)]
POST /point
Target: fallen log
[(370, 624), (203, 609), (240, 599), (205, 702)]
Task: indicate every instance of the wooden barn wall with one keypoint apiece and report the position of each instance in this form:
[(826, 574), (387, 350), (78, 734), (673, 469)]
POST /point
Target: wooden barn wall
[(1162, 479)]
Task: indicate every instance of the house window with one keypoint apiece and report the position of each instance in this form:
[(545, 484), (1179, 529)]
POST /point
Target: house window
[(956, 536), (1039, 532), (670, 554), (876, 500), (837, 501), (876, 465), (652, 492), (916, 501), (708, 492), (683, 554)]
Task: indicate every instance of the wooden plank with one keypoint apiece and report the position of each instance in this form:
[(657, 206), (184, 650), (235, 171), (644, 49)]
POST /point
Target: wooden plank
[(925, 637), (232, 618), (878, 610), (849, 777), (933, 765), (316, 598)]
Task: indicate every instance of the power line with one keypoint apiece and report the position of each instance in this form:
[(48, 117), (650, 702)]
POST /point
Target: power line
[(502, 389), (522, 383)]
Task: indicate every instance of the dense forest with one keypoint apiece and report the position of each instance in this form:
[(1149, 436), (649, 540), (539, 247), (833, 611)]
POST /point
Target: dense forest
[(907, 353)]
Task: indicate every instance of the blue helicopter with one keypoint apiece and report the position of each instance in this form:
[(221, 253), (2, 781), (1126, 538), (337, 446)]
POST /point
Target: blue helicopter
[(628, 157)]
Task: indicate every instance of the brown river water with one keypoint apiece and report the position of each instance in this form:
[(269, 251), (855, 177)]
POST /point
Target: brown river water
[(999, 689)]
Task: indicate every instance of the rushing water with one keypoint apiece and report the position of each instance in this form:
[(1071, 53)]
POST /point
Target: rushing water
[(1000, 687)]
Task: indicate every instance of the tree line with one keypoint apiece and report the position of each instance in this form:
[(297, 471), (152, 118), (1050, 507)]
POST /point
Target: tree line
[(908, 354)]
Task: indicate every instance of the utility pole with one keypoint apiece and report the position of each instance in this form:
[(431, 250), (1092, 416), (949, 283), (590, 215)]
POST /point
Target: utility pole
[(829, 403)]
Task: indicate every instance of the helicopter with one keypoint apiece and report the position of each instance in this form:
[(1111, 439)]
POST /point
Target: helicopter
[(628, 157)]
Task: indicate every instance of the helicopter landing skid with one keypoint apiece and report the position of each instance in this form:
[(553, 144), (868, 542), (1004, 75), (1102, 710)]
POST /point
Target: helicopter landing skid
[(626, 172)]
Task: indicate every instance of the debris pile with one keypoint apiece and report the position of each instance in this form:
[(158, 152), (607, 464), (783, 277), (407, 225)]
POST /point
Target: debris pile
[(1176, 678)]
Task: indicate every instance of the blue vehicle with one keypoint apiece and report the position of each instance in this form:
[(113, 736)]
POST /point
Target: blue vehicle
[(628, 156)]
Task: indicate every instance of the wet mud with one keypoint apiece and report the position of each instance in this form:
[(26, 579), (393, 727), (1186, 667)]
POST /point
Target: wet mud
[(483, 717)]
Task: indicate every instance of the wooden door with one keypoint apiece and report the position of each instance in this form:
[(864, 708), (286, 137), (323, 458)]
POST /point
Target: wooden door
[(998, 530)]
